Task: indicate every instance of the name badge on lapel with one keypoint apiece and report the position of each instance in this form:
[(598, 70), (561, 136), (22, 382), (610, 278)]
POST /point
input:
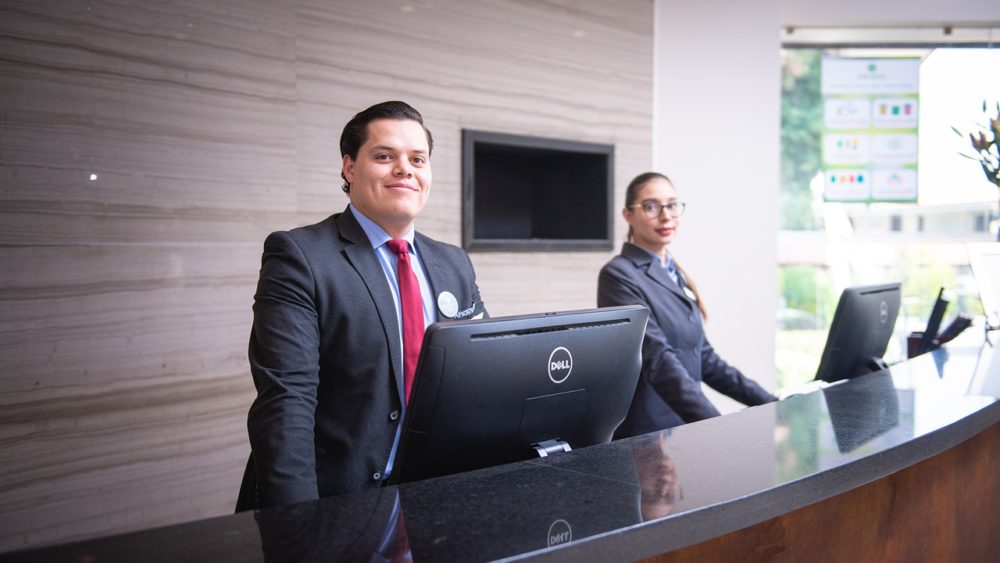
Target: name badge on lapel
[(447, 304), (690, 294), (466, 312)]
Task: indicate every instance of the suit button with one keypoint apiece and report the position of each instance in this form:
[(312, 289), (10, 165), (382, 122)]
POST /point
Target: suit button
[(376, 476), (691, 318), (394, 416)]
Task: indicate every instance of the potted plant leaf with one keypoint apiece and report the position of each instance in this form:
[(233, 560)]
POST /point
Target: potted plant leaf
[(985, 143)]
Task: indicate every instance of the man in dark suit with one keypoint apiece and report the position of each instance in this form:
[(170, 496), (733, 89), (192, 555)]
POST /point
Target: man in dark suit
[(327, 350)]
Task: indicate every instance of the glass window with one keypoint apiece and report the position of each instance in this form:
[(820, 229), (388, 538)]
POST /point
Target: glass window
[(824, 247)]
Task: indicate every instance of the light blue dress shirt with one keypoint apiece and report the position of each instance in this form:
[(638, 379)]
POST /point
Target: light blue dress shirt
[(388, 260)]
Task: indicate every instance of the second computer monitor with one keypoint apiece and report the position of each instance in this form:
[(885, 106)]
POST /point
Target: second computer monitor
[(860, 331)]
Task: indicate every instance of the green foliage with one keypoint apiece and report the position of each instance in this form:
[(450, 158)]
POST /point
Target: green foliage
[(922, 277), (801, 127), (797, 355), (807, 291), (807, 288)]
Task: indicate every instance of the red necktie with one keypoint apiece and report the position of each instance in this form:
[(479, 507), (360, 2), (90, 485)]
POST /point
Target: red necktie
[(413, 312)]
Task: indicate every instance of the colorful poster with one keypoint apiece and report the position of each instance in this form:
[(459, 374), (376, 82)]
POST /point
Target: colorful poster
[(870, 109)]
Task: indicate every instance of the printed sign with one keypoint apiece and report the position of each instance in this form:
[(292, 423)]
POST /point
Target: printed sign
[(870, 117)]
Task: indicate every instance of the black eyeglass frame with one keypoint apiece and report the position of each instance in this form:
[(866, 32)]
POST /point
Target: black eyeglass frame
[(674, 208)]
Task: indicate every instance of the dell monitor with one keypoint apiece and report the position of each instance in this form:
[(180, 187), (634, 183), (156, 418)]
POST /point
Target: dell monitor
[(860, 332), (495, 391)]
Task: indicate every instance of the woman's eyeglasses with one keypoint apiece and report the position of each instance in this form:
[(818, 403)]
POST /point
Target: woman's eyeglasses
[(653, 209)]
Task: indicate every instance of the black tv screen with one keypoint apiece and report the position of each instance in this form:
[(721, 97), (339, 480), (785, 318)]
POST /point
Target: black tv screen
[(495, 391), (860, 332), (534, 193)]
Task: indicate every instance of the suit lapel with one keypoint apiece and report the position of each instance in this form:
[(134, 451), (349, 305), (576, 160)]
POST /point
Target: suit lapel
[(362, 257), (436, 269), (654, 271)]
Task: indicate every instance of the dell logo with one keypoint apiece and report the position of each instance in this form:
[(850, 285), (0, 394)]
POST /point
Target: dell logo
[(560, 365), (560, 533), (883, 312)]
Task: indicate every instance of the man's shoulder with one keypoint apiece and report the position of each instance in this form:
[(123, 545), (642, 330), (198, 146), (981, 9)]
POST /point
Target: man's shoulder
[(323, 232), (320, 228), (451, 251)]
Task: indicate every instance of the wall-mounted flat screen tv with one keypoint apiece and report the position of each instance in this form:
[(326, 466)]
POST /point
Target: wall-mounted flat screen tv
[(535, 194)]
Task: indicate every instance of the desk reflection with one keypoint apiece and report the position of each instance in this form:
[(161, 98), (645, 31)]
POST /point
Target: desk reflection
[(520, 508), (359, 527), (538, 505), (370, 528), (863, 411), (658, 483)]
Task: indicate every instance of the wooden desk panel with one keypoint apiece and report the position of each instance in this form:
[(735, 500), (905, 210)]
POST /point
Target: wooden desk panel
[(942, 509)]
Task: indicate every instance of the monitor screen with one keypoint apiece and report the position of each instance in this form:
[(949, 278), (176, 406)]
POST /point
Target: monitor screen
[(860, 332), (501, 390)]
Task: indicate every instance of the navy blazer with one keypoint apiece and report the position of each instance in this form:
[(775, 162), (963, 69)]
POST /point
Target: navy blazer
[(676, 356), (326, 360)]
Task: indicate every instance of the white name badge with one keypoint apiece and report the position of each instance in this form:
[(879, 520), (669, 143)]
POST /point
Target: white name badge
[(447, 304)]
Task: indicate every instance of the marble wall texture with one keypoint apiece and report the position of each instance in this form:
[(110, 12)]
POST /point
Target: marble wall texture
[(146, 150)]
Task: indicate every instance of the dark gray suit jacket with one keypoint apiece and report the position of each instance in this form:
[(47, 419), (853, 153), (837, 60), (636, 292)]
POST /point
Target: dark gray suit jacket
[(326, 360), (676, 356)]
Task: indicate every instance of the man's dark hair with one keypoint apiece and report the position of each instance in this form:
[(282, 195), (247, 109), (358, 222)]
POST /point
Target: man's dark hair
[(356, 131)]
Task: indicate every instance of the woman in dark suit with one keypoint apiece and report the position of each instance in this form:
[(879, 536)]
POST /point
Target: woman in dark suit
[(676, 356)]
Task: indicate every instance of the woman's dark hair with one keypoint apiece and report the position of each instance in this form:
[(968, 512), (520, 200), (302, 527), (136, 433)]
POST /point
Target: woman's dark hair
[(631, 193), (356, 131), (639, 181)]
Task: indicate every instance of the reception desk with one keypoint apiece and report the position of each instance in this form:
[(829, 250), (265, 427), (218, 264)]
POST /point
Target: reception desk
[(899, 465)]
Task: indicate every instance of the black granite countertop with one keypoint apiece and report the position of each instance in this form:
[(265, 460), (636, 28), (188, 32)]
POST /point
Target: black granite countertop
[(622, 501)]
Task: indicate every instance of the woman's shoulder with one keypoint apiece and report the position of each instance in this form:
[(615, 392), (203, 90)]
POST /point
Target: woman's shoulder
[(630, 258), (619, 268), (617, 262), (620, 283)]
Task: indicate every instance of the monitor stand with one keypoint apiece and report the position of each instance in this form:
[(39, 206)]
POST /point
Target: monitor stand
[(876, 364), (546, 448)]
